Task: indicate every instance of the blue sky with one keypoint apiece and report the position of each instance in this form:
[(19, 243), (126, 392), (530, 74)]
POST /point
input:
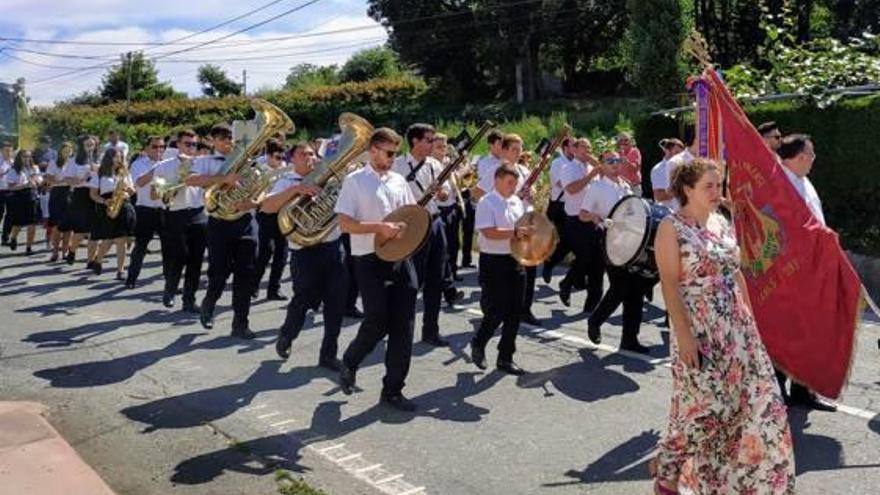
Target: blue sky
[(159, 21)]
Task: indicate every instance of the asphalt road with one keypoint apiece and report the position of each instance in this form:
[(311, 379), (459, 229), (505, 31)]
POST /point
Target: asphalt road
[(158, 405)]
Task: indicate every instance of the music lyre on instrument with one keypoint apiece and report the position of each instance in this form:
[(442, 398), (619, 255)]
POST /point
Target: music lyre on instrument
[(532, 250), (415, 218)]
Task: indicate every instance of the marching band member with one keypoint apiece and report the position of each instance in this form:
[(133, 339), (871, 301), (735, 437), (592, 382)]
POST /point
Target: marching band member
[(232, 245), (502, 279), (626, 287), (82, 208), (59, 200), (321, 274), (111, 231), (450, 208), (420, 170), (272, 245), (149, 211), (556, 208), (582, 237), (388, 290), (185, 226), (487, 165), (22, 180), (6, 160)]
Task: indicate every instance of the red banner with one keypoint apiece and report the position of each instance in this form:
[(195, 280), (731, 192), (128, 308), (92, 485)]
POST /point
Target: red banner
[(805, 293)]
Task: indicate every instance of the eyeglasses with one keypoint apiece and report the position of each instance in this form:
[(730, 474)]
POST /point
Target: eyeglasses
[(388, 153)]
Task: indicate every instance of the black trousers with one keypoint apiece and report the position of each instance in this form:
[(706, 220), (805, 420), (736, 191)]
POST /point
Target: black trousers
[(467, 229), (183, 247), (502, 290), (232, 249), (149, 222), (4, 213), (321, 275), (451, 216), (431, 270), (628, 289), (529, 293), (273, 246), (556, 214), (586, 240), (351, 297), (388, 291)]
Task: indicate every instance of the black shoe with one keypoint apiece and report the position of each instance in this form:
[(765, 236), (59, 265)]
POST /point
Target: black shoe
[(13, 245), (811, 401), (120, 276), (547, 273), (565, 293), (435, 341), (478, 356), (529, 318), (243, 333), (347, 379), (97, 268), (53, 258), (255, 294), (457, 278), (5, 241), (70, 257), (28, 251), (452, 295), (191, 307), (595, 334), (331, 364), (276, 296), (635, 347), (206, 318), (510, 367), (399, 402), (282, 346), (168, 299), (354, 313), (467, 264), (130, 284)]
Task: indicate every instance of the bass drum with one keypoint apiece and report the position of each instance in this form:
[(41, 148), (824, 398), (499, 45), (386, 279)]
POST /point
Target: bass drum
[(629, 240)]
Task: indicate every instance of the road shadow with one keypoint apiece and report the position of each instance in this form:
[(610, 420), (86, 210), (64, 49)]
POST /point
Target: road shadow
[(874, 424), (588, 380), (814, 452), (83, 333), (626, 462)]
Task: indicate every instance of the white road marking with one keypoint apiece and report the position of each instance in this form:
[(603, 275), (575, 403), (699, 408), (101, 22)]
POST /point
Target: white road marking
[(389, 479), (269, 415), (282, 423)]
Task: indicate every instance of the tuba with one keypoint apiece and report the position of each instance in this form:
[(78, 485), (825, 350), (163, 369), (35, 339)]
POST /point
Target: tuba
[(120, 193), (309, 220), (221, 199)]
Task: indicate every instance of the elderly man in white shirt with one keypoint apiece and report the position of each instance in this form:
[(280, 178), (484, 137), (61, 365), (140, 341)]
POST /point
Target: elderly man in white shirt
[(388, 290), (797, 154), (660, 176)]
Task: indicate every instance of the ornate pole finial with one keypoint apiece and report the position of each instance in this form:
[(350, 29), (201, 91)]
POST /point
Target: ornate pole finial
[(695, 45)]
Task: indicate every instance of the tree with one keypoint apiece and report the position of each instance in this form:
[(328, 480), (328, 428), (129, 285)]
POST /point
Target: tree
[(371, 63), (656, 33), (309, 75), (215, 82), (145, 83)]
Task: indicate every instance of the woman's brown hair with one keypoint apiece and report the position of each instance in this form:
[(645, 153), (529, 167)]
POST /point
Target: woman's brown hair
[(689, 174)]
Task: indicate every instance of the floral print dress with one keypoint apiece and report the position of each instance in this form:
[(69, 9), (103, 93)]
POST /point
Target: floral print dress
[(727, 419)]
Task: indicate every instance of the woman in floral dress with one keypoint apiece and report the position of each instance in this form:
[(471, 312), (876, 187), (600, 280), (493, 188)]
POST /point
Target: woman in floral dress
[(727, 416)]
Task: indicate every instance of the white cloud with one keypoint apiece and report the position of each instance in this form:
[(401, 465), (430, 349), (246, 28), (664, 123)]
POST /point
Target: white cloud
[(266, 63)]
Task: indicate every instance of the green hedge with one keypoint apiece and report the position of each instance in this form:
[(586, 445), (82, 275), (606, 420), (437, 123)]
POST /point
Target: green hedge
[(847, 168)]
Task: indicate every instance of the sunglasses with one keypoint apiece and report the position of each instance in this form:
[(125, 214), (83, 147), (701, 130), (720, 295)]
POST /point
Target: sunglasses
[(613, 161)]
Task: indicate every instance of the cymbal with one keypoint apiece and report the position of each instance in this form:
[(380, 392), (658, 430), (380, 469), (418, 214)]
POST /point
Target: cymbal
[(417, 226), (534, 249)]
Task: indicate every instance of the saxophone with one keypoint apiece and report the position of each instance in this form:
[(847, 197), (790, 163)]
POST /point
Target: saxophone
[(165, 191), (221, 199), (309, 220), (120, 193)]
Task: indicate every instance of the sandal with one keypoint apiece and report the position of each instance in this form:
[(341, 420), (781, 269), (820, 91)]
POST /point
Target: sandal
[(659, 488)]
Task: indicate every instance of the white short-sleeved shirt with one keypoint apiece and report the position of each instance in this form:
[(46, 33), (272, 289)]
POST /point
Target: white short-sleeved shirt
[(106, 185), (450, 186), (187, 197), (170, 153), (208, 165), (419, 181), (5, 167), (367, 196), (494, 211), (55, 171), (291, 179), (16, 179), (573, 171), (120, 145), (77, 171), (660, 180), (141, 167), (601, 195), (556, 167), (805, 188), (486, 172), (682, 158)]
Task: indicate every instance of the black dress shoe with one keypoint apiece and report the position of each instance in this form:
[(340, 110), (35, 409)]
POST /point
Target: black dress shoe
[(812, 401), (354, 313), (467, 264), (530, 319), (547, 273), (399, 402), (635, 347), (452, 295), (595, 334), (255, 294), (346, 379), (168, 299), (276, 296), (331, 364), (457, 278), (97, 268), (478, 356), (435, 341), (565, 293), (282, 346), (13, 245), (191, 308), (70, 257), (510, 367), (243, 333), (120, 276), (130, 284), (28, 251), (206, 318)]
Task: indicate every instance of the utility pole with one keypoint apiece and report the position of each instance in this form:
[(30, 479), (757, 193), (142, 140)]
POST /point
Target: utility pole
[(244, 82), (128, 88)]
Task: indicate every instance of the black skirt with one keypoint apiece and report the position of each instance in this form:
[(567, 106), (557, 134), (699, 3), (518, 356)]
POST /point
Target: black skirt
[(82, 211), (105, 227), (59, 206), (24, 207)]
